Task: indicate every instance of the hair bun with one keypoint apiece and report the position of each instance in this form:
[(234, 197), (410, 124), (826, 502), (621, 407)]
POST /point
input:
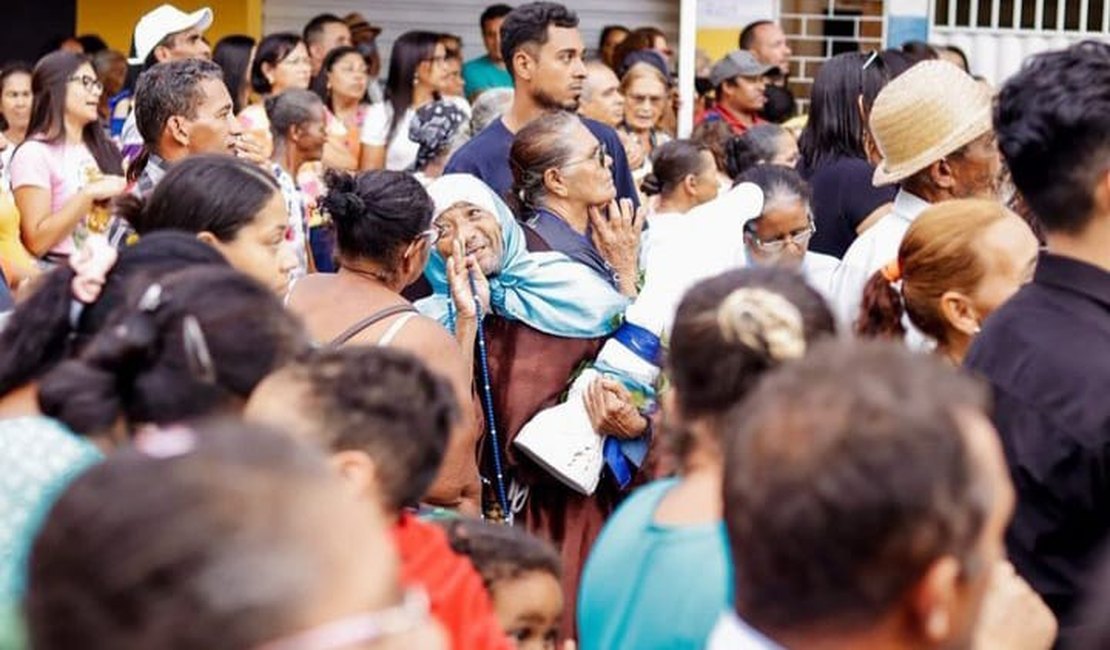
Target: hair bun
[(763, 320), (342, 201), (651, 185)]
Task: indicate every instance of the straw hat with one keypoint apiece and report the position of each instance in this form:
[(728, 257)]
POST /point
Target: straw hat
[(926, 113)]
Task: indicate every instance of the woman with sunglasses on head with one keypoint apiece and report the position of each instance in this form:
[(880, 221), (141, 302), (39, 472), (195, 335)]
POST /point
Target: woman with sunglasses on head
[(836, 143), (384, 236), (417, 76), (564, 192), (66, 171)]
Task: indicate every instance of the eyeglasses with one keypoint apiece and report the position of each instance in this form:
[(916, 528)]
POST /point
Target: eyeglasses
[(432, 234), (600, 156), (299, 60), (91, 84), (777, 246), (360, 628)]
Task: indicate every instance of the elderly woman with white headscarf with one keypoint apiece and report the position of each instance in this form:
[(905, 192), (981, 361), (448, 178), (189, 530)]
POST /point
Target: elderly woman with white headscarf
[(547, 316)]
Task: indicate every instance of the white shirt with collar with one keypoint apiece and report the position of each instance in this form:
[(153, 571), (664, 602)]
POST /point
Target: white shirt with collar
[(871, 251), (731, 633)]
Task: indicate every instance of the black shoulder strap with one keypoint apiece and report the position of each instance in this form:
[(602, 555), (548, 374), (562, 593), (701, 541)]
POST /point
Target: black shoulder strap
[(376, 317)]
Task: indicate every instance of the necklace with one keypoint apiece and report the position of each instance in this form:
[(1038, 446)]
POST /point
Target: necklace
[(369, 274)]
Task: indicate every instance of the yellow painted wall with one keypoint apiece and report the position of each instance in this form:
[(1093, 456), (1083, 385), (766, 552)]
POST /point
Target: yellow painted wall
[(115, 20), (717, 42)]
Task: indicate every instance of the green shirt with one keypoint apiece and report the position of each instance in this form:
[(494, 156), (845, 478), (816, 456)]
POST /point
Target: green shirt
[(481, 74)]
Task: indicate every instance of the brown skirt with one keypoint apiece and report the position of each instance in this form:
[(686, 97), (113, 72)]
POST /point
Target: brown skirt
[(530, 371)]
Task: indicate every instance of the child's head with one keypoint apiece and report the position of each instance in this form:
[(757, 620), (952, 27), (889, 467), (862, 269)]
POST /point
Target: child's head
[(522, 576)]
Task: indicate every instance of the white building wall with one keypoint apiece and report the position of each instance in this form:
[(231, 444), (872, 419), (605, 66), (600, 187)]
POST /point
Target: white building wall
[(460, 17)]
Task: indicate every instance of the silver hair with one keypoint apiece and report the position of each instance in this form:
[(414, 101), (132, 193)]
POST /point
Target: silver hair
[(489, 106)]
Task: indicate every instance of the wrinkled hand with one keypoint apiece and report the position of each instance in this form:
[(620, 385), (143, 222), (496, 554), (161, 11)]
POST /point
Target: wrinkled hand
[(250, 150), (460, 268), (105, 188), (1013, 615), (616, 234), (609, 406)]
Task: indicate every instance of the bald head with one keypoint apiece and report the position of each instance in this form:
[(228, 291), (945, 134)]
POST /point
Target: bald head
[(601, 95)]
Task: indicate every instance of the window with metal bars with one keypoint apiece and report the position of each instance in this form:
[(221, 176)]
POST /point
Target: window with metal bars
[(1071, 16)]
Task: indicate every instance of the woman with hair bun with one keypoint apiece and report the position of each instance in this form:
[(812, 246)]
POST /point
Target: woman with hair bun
[(660, 572), (959, 261), (564, 192), (384, 236), (683, 176)]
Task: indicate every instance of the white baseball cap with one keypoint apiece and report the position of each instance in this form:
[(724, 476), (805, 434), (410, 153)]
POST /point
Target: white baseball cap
[(163, 21)]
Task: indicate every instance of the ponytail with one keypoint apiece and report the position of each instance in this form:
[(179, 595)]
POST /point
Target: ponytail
[(135, 169), (882, 307)]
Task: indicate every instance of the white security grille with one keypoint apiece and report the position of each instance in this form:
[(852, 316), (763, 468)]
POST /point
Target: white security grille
[(998, 35)]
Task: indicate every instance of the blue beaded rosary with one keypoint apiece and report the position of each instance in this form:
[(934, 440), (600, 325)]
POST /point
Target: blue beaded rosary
[(487, 404)]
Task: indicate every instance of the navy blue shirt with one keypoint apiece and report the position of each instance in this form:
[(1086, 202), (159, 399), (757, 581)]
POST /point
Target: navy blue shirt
[(1046, 354), (6, 302), (487, 157), (843, 197), (559, 236)]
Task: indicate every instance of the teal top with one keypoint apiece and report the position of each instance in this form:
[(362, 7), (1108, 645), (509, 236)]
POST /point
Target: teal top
[(481, 74), (38, 459), (653, 586)]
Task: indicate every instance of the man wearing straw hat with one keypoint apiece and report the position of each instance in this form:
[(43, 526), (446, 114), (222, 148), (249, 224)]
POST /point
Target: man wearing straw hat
[(932, 125)]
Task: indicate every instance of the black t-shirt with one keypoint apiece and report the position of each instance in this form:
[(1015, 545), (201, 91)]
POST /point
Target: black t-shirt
[(843, 196)]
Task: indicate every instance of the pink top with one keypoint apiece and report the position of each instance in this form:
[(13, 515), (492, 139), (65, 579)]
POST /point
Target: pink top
[(61, 168)]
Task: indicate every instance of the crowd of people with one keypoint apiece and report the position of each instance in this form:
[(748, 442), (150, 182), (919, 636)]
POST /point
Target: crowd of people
[(301, 350)]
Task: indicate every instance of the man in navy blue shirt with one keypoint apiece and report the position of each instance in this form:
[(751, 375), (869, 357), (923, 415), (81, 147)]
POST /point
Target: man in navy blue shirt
[(1046, 352), (542, 50)]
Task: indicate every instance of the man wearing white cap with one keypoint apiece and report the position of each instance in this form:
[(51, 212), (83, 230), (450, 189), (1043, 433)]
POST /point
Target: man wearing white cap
[(165, 34), (932, 125)]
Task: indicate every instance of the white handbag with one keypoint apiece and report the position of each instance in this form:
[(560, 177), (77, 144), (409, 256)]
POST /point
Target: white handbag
[(562, 440)]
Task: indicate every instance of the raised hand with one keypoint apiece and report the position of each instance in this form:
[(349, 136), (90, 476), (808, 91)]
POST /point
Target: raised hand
[(616, 234), (460, 269)]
